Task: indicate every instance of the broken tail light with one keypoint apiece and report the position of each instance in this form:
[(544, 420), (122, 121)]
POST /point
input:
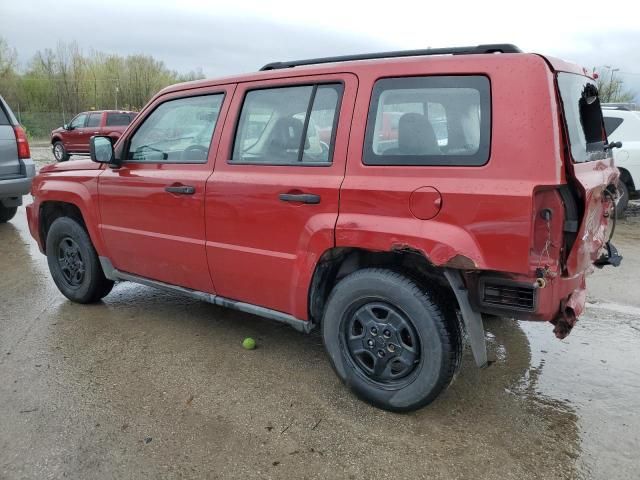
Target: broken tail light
[(547, 247)]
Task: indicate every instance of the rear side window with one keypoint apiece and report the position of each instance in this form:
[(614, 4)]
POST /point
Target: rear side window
[(429, 121), (119, 119), (611, 124), (94, 120), (177, 131), (288, 125), (3, 117), (583, 117)]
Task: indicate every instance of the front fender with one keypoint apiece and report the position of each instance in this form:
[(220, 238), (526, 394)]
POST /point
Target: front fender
[(77, 188)]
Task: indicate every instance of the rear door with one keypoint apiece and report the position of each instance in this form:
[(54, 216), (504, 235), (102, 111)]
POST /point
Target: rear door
[(272, 201), (589, 165), (152, 207), (9, 163)]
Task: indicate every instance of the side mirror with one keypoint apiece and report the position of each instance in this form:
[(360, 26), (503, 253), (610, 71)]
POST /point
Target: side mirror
[(66, 126), (101, 150)]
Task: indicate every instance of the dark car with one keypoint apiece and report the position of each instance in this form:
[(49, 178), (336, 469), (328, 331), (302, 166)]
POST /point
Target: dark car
[(73, 138)]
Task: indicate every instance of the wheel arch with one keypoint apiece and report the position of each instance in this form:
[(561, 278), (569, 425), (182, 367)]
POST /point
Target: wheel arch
[(625, 176), (50, 210), (336, 263)]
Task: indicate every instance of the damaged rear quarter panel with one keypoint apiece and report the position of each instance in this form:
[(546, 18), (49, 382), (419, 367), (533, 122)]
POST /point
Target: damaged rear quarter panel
[(486, 215)]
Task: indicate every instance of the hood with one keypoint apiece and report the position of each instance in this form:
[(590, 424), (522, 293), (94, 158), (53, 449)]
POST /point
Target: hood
[(71, 166), (57, 130)]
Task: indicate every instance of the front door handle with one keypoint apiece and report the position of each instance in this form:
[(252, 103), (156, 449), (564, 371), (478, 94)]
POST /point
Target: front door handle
[(181, 189), (310, 198)]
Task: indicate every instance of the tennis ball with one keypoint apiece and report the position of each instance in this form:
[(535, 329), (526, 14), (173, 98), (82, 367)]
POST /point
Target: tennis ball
[(249, 343)]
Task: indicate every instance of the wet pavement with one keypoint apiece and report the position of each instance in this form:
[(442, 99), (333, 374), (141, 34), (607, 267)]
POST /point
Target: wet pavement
[(153, 385)]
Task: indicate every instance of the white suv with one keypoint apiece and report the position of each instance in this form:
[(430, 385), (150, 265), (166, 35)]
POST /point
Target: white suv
[(624, 126)]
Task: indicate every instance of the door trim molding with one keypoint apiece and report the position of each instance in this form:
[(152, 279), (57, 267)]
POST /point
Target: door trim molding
[(114, 274)]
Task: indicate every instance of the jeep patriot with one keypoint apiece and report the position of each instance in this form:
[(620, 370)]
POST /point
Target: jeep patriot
[(390, 199)]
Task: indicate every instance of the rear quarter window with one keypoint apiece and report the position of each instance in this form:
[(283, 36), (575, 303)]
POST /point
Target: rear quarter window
[(436, 120), (583, 117), (119, 119), (4, 120)]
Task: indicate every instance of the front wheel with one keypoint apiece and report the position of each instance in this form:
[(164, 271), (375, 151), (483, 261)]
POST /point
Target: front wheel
[(59, 152), (74, 264), (389, 341)]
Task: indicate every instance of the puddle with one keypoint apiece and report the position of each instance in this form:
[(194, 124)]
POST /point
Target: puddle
[(596, 373)]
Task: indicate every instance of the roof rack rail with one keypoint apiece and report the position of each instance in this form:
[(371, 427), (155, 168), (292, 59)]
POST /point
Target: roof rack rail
[(489, 48)]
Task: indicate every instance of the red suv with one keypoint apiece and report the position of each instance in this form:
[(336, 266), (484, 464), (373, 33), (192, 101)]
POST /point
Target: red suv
[(494, 197), (73, 138)]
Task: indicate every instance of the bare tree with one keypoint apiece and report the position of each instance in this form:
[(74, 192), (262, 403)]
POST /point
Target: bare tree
[(611, 88)]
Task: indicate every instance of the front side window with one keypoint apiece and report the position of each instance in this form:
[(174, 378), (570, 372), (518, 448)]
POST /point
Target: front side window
[(583, 117), (429, 121), (78, 122), (177, 131), (94, 120), (287, 125), (119, 119)]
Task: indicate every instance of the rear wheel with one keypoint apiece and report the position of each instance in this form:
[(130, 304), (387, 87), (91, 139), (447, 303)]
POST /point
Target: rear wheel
[(7, 213), (623, 199), (389, 341), (74, 264), (59, 152)]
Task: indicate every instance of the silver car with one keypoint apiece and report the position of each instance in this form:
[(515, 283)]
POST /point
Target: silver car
[(16, 167)]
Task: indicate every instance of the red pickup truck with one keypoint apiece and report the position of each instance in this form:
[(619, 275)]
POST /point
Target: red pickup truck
[(73, 138)]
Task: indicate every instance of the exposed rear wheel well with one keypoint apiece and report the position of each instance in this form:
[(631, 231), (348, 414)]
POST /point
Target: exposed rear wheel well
[(625, 177), (337, 263), (50, 211)]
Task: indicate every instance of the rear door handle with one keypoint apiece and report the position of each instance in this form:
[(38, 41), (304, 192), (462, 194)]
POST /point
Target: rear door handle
[(310, 198), (181, 189)]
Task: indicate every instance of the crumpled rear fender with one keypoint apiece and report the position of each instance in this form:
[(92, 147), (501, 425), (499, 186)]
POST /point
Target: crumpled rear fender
[(441, 243)]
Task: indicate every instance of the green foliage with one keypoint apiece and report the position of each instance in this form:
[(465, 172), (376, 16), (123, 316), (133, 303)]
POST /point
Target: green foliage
[(66, 81)]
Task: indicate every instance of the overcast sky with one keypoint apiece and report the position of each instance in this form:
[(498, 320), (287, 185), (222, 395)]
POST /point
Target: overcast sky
[(236, 36)]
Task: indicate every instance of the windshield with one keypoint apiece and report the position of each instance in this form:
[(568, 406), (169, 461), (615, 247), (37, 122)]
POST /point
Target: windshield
[(583, 117)]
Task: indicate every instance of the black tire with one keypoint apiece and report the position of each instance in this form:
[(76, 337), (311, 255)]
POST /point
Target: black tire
[(74, 264), (623, 199), (59, 152), (7, 213), (427, 336)]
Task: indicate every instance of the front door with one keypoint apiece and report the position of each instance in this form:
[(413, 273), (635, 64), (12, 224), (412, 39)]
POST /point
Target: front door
[(152, 207), (73, 135), (91, 128), (272, 202)]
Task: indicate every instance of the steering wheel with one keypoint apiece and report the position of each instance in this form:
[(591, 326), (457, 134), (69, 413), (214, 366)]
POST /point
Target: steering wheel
[(187, 153)]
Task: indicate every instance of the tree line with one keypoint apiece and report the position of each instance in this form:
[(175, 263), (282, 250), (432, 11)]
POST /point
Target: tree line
[(66, 81)]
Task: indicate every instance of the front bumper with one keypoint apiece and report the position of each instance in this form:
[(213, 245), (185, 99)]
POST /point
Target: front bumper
[(17, 187)]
